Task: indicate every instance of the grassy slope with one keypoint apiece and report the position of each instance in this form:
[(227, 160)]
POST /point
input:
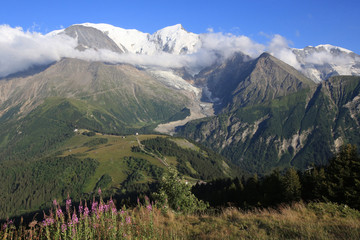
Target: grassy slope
[(109, 155), (319, 221)]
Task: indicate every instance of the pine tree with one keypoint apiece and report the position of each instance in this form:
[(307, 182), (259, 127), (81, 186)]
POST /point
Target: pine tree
[(291, 186), (343, 177)]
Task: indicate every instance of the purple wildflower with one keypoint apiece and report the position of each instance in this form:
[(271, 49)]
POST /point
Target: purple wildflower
[(68, 204), (149, 207), (106, 207), (59, 213), (55, 202), (86, 211), (75, 218), (93, 206), (114, 211), (128, 220), (63, 227), (101, 208), (81, 209), (48, 221)]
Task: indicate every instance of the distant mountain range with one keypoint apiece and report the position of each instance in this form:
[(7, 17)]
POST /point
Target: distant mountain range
[(317, 63)]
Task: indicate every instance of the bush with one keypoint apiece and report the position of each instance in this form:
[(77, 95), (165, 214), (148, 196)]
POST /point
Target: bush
[(175, 193)]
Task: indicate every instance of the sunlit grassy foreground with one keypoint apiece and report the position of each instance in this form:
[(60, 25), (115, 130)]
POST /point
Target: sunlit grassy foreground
[(102, 220)]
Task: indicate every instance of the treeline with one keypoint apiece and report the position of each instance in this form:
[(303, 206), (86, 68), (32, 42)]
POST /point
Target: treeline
[(339, 182)]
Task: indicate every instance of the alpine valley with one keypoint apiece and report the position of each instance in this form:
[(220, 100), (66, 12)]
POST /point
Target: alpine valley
[(121, 106)]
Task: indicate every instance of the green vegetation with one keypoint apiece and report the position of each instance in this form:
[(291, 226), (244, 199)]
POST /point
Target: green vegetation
[(96, 141), (29, 186), (179, 115), (338, 182), (206, 164), (83, 164), (175, 193)]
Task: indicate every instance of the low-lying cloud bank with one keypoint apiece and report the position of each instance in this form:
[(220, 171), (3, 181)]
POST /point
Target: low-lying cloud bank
[(21, 49)]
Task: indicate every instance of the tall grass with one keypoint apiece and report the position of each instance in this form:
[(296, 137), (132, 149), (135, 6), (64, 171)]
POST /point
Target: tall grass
[(102, 220)]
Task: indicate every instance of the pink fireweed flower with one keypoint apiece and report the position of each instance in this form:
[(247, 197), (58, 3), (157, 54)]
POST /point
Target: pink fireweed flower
[(75, 219), (48, 221), (114, 211), (81, 209), (128, 220), (68, 204), (55, 202), (63, 227), (149, 207), (106, 207), (59, 213), (86, 211), (99, 191), (101, 208), (93, 206)]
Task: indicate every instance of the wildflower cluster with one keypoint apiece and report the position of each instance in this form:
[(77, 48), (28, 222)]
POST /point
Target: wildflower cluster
[(102, 220)]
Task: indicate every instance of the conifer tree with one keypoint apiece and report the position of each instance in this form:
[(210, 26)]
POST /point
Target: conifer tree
[(291, 186), (343, 175)]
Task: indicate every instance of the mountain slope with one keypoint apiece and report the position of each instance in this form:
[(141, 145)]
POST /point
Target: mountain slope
[(300, 127), (74, 93), (131, 95), (240, 82)]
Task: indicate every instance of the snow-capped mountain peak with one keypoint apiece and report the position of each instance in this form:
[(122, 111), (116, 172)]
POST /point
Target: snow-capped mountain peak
[(329, 48), (173, 39), (323, 61)]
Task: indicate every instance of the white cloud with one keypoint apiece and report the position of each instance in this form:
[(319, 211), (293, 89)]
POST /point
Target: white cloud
[(321, 58), (21, 49), (227, 44), (279, 48)]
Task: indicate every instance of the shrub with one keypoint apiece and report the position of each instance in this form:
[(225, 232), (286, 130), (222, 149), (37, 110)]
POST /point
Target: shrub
[(175, 193)]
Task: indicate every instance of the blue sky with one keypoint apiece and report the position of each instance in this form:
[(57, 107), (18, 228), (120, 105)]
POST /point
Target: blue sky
[(301, 22)]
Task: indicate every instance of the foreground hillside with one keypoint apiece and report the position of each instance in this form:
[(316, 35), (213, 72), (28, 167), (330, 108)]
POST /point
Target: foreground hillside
[(297, 221)]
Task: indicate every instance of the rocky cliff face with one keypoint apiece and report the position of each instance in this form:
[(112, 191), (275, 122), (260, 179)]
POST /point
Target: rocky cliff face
[(240, 81), (286, 121)]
